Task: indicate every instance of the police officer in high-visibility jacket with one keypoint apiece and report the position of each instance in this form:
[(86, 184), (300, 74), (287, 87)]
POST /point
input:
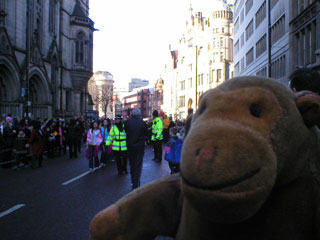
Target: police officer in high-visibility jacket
[(157, 137), (118, 138)]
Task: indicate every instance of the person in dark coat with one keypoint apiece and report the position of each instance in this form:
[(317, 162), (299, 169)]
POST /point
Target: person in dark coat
[(20, 147), (72, 136), (36, 141), (136, 130)]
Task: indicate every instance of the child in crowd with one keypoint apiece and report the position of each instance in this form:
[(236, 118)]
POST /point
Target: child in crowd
[(20, 148), (170, 150)]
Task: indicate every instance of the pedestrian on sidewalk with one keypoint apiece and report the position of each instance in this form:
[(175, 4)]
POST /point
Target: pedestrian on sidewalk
[(157, 137), (136, 130), (105, 129), (94, 139), (118, 138)]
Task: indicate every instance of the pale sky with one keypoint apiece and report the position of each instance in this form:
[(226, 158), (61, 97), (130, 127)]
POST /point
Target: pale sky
[(134, 35)]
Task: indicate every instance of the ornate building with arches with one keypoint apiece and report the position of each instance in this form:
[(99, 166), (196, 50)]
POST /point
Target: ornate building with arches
[(46, 50), (202, 60)]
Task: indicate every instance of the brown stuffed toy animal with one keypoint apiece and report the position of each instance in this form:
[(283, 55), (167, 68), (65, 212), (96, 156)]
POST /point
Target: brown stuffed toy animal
[(246, 173)]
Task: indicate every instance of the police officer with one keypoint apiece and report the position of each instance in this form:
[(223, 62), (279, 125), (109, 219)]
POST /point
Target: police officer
[(157, 137), (118, 138)]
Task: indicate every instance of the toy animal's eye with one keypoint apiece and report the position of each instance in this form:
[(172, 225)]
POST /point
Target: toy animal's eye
[(255, 110), (203, 108)]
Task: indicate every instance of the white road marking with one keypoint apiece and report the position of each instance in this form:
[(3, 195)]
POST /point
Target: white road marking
[(16, 207), (80, 176)]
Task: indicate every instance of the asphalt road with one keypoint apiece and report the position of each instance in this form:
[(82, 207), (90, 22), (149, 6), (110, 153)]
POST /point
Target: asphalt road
[(34, 204)]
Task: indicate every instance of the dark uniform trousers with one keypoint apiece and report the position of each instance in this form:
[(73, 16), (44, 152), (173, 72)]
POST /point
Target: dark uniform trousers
[(136, 161)]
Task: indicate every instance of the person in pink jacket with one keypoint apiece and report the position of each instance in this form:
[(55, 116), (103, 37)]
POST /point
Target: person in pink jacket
[(94, 139)]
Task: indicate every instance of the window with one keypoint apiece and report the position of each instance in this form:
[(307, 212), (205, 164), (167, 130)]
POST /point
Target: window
[(249, 30), (261, 14), (236, 69), (190, 67), (242, 16), (261, 46), (201, 79), (80, 47), (278, 67), (3, 5), (221, 42), (221, 57), (242, 64), (262, 72), (242, 40), (182, 101), (236, 25), (52, 14), (278, 30), (219, 76), (305, 45), (274, 2), (190, 82), (222, 30), (236, 47), (249, 4), (249, 57), (182, 85)]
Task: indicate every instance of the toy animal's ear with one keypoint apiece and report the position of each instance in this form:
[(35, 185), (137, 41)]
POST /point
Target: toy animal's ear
[(308, 104)]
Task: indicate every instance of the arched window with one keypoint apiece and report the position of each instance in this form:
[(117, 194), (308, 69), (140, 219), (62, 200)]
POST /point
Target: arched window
[(80, 46), (52, 8)]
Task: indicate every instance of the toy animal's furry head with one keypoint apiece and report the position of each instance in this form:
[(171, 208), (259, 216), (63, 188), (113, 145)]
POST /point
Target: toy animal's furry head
[(248, 136)]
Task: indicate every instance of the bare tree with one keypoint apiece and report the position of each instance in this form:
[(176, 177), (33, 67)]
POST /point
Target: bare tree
[(101, 95), (105, 98), (94, 92)]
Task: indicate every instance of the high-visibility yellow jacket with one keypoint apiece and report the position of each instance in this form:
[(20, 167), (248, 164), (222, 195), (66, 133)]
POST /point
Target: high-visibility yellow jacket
[(117, 138), (157, 128)]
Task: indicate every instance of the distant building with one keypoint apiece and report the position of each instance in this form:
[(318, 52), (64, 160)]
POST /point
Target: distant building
[(46, 49), (157, 97), (138, 98), (137, 83), (251, 38), (100, 87)]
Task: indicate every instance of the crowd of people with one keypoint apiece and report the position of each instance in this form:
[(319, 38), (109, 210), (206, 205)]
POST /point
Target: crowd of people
[(27, 142)]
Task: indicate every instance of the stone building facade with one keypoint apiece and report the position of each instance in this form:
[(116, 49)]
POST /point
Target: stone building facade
[(202, 60), (304, 34), (46, 49), (251, 38)]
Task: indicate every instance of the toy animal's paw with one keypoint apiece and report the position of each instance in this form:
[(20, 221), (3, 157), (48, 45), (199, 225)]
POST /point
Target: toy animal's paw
[(106, 225)]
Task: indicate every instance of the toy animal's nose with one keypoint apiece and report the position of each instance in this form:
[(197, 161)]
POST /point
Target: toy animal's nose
[(205, 156)]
